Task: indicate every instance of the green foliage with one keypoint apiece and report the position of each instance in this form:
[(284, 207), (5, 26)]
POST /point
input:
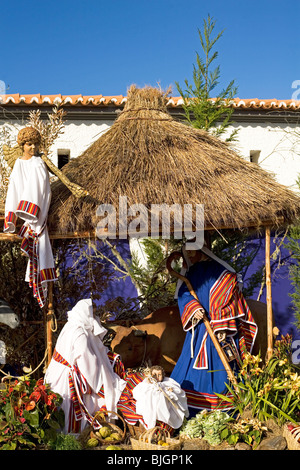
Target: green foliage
[(239, 252), (271, 391), (206, 425), (156, 286), (217, 426), (29, 414), (294, 271), (246, 430), (65, 442), (202, 110)]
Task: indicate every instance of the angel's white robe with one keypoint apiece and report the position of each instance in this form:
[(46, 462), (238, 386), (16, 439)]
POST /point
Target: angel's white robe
[(80, 367), (161, 401), (28, 197)]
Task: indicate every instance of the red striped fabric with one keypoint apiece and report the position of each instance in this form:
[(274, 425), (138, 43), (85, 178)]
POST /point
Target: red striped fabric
[(227, 302), (207, 401), (29, 208), (78, 386), (48, 274), (10, 218), (229, 311), (30, 247), (188, 313)]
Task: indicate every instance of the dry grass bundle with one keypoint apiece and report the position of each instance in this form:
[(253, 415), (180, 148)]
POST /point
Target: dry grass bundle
[(152, 159)]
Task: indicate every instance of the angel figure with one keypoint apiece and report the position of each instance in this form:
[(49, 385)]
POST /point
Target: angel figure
[(28, 197)]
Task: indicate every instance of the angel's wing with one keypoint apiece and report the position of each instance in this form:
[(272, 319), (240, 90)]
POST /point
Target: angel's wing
[(77, 190), (11, 154)]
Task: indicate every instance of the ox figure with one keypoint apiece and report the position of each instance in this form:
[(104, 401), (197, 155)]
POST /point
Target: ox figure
[(159, 337)]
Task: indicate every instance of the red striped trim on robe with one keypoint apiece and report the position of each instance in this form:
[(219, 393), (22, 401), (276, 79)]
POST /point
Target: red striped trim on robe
[(188, 313), (127, 404), (227, 300), (77, 409), (29, 208), (34, 277), (10, 218), (23, 230), (30, 246), (201, 361), (48, 274), (223, 298), (207, 401), (227, 304), (117, 364)]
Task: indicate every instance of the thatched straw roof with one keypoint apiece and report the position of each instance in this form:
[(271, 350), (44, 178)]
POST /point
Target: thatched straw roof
[(151, 158)]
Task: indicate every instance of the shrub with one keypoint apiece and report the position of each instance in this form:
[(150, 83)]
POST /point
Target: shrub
[(29, 414), (271, 391)]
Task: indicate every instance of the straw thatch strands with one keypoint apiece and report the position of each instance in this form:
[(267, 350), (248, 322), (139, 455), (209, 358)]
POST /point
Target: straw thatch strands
[(151, 158)]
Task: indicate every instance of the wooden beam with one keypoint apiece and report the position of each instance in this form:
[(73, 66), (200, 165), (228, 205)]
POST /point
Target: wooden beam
[(280, 222), (49, 322), (269, 294)]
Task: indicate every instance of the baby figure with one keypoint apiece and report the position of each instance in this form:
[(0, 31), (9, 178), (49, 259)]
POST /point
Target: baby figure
[(160, 398)]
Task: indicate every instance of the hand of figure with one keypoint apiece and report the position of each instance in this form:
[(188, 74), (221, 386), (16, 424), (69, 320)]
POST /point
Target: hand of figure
[(221, 335), (199, 313)]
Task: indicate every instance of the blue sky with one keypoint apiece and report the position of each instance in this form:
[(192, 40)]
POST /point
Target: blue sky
[(102, 47)]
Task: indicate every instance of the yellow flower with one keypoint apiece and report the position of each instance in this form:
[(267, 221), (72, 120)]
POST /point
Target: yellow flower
[(251, 360), (282, 362), (257, 371)]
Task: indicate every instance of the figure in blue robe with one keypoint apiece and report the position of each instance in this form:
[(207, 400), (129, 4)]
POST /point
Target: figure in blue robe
[(199, 369)]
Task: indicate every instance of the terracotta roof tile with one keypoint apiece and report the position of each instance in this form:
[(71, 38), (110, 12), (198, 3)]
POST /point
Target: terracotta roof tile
[(119, 100)]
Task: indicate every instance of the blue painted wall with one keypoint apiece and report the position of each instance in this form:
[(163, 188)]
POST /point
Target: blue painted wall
[(281, 286)]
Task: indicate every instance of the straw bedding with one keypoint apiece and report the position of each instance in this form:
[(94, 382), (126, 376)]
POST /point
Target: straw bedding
[(151, 158)]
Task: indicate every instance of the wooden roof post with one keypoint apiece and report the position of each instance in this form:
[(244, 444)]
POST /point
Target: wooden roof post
[(49, 321), (269, 294)]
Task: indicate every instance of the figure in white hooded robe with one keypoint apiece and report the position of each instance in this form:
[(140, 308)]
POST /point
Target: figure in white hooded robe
[(80, 368), (28, 197)]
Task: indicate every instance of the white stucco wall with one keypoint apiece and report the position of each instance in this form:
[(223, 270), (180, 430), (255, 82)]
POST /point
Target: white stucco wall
[(278, 147), (76, 138)]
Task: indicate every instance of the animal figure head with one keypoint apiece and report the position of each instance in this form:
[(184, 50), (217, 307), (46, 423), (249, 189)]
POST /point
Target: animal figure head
[(7, 315)]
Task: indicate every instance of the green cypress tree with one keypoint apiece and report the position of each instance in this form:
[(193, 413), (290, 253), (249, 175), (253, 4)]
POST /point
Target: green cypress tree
[(202, 110), (294, 271)]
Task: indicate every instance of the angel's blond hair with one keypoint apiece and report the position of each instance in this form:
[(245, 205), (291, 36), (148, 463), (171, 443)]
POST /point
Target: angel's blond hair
[(29, 134)]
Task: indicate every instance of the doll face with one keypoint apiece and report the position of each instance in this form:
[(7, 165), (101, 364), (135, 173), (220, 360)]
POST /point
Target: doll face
[(30, 149), (157, 375)]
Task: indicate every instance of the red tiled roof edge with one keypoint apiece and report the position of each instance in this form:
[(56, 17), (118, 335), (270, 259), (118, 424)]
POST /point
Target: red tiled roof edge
[(119, 100)]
